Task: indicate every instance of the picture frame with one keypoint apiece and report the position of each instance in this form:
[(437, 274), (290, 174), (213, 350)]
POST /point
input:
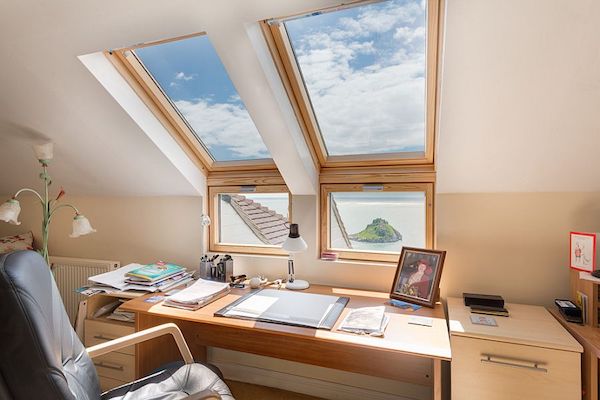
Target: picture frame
[(583, 255), (418, 276)]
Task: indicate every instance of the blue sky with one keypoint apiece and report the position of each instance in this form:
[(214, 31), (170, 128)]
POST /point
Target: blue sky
[(190, 72), (364, 69)]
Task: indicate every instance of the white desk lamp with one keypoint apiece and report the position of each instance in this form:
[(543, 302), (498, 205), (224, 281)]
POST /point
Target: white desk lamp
[(294, 244)]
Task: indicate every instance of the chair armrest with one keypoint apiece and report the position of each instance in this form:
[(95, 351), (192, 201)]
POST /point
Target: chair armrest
[(142, 336)]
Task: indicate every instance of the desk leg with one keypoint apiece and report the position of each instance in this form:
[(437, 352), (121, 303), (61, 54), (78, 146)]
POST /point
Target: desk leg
[(590, 374), (437, 379), (162, 350)]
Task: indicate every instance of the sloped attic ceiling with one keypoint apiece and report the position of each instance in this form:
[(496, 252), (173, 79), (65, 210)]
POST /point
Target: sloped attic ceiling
[(48, 94)]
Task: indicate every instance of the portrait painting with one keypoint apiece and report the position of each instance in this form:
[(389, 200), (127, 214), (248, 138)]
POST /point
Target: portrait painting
[(418, 276)]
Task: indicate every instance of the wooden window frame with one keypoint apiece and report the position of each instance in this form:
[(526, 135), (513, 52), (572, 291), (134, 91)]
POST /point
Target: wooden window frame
[(149, 91), (289, 71), (213, 231), (325, 217)]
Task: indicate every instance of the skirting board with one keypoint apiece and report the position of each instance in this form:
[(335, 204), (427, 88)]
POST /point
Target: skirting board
[(305, 385)]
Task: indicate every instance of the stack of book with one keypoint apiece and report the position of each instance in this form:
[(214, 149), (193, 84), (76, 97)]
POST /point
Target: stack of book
[(160, 276), (148, 278), (198, 295), (485, 304)]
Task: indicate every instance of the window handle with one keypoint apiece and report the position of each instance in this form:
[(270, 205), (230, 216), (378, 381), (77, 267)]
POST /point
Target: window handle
[(510, 362)]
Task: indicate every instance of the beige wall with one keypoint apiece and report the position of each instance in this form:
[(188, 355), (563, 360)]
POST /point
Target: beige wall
[(513, 244), (140, 229)]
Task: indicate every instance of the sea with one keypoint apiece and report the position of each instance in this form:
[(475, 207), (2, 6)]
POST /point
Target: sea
[(405, 211)]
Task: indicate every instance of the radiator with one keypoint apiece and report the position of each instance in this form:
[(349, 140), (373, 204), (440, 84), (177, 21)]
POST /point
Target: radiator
[(73, 273)]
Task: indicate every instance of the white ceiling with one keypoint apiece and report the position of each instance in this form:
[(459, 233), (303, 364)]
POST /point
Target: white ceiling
[(46, 93), (520, 92)]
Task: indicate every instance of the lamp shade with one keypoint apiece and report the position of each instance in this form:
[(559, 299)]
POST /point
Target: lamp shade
[(44, 151), (9, 211), (294, 242), (81, 226)]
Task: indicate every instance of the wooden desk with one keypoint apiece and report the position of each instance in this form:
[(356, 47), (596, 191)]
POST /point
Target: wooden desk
[(409, 353), (589, 338)]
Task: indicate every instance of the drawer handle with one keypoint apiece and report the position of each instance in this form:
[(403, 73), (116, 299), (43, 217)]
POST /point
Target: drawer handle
[(116, 367), (532, 365), (102, 337)]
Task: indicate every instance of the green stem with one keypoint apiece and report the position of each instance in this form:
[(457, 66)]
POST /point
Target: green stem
[(29, 190), (46, 219), (52, 211)]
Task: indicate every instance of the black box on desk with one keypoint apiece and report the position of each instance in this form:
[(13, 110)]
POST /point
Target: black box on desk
[(569, 310), (488, 300)]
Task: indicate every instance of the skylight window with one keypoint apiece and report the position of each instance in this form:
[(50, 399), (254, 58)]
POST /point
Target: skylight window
[(364, 69), (192, 77), (362, 79)]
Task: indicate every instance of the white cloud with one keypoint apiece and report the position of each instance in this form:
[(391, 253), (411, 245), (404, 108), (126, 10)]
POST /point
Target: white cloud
[(224, 125), (366, 79), (182, 76), (408, 35)]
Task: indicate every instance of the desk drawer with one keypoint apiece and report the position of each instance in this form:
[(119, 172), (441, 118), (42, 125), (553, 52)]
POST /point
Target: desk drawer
[(486, 369), (97, 332), (117, 366), (109, 383)]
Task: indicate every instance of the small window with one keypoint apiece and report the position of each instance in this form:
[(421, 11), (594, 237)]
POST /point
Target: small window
[(249, 219), (374, 222)]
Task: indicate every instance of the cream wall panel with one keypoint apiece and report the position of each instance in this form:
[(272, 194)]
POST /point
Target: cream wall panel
[(520, 95), (130, 229), (515, 245)]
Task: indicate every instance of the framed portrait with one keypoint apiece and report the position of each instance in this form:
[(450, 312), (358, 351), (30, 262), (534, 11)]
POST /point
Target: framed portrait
[(583, 251), (418, 276)]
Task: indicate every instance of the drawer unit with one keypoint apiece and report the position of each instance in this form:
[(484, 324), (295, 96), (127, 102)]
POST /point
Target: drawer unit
[(99, 331), (108, 383), (527, 356), (486, 369), (117, 366)]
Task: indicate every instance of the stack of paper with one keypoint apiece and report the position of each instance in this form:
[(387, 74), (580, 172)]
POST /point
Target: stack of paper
[(198, 295), (162, 276), (121, 315), (367, 320), (118, 280)]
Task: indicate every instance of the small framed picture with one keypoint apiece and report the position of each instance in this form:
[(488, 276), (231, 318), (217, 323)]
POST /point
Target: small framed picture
[(583, 251), (418, 275)]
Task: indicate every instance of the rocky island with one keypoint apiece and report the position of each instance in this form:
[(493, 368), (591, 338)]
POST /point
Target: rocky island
[(378, 231)]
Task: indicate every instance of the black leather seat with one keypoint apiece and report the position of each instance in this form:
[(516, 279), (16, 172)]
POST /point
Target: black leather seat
[(41, 357)]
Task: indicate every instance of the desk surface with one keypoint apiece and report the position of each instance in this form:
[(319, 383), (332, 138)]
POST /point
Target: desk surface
[(585, 334), (528, 325), (400, 336)]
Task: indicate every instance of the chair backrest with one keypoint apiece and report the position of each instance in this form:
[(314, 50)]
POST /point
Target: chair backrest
[(41, 356)]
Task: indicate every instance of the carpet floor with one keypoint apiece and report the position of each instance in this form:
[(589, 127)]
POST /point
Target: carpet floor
[(247, 391)]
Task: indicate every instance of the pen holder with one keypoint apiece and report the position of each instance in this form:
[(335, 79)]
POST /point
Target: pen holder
[(222, 271), (206, 269)]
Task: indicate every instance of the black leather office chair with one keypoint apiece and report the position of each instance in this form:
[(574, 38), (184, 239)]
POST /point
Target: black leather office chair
[(41, 357)]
